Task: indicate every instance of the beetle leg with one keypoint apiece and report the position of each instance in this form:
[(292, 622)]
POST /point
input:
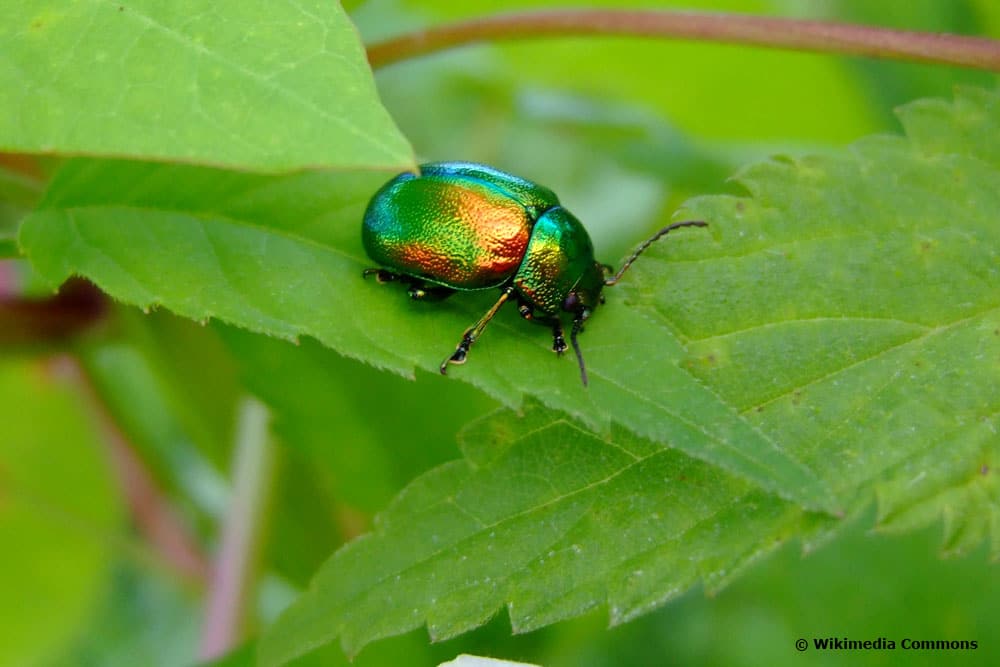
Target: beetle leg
[(420, 291), (381, 275), (558, 339), (577, 328), (473, 333)]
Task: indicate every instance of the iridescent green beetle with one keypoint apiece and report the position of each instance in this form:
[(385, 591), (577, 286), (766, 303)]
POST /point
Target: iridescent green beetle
[(461, 226)]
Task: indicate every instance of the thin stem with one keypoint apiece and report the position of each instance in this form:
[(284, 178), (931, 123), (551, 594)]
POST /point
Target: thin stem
[(8, 281), (169, 537), (23, 164), (818, 36), (231, 586), (78, 306)]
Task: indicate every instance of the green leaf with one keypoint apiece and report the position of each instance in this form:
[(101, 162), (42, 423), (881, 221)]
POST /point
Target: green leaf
[(265, 86), (863, 585), (59, 516), (18, 194), (858, 300), (546, 520), (282, 255)]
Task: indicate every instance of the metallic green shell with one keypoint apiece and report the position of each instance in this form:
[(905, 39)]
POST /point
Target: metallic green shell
[(559, 260), (468, 226), (460, 225), (532, 196)]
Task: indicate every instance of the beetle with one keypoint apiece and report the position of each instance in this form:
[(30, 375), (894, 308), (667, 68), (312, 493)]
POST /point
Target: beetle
[(462, 226)]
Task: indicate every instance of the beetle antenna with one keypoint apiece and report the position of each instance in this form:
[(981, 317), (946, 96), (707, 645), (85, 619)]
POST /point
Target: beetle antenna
[(577, 328), (645, 244)]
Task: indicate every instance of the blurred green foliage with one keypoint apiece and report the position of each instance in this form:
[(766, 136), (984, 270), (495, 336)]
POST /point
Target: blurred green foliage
[(60, 514), (622, 130)]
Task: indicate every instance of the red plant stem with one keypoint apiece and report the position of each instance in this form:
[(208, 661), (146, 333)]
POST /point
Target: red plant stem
[(232, 585), (796, 34), (151, 510), (8, 284), (21, 163), (77, 306)]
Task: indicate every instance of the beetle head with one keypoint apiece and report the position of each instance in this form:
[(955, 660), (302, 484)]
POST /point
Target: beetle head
[(586, 294)]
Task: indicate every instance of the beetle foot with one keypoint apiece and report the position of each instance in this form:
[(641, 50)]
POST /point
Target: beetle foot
[(459, 355), (472, 334), (381, 275), (461, 352), (558, 338), (559, 343), (424, 292)]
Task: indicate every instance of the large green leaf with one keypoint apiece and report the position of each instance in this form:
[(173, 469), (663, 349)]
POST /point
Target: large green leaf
[(854, 255), (259, 85), (282, 255), (861, 586), (860, 362), (869, 340), (546, 520)]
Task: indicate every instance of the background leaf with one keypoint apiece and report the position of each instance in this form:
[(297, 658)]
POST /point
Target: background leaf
[(249, 85), (546, 520), (690, 83), (861, 586), (172, 390), (59, 513)]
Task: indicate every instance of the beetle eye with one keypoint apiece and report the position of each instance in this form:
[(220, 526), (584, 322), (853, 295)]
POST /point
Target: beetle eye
[(571, 302)]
